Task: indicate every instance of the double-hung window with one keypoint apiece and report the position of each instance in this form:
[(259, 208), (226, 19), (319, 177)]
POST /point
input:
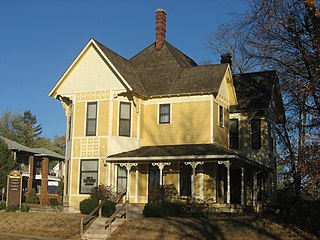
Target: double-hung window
[(221, 116), (256, 133), (164, 113), (234, 134), (88, 175), (91, 119), (125, 119), (121, 179)]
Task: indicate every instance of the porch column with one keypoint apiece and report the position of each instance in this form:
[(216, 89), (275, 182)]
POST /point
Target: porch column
[(128, 167), (255, 188), (44, 179), (227, 164), (161, 165), (193, 182), (242, 186), (31, 167)]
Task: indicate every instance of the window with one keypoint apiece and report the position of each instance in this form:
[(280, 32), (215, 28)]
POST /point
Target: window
[(164, 113), (125, 119), (91, 118), (121, 179), (234, 134), (256, 133), (221, 117), (88, 175)]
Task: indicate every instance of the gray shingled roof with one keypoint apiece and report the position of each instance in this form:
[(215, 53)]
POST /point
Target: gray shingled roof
[(12, 145), (254, 90), (175, 150), (166, 72), (46, 152)]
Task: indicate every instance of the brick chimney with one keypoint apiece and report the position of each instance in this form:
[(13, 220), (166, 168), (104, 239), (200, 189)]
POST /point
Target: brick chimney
[(160, 28), (226, 58)]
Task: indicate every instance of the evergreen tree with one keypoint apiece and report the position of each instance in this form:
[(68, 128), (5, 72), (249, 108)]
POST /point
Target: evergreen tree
[(6, 163), (26, 129)]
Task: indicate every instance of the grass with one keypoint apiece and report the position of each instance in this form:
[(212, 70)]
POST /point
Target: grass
[(219, 226), (54, 225)]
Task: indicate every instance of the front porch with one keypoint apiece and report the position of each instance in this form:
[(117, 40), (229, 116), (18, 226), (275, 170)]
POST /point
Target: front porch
[(229, 182)]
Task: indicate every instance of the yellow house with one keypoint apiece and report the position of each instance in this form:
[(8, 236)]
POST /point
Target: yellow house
[(159, 118)]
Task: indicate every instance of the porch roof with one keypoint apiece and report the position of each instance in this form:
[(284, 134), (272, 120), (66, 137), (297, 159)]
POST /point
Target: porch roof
[(191, 152)]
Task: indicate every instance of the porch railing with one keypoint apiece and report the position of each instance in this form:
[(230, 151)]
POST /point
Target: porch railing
[(112, 218), (85, 220)]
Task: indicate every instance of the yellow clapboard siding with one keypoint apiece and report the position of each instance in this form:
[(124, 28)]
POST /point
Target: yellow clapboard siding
[(79, 121), (103, 114), (74, 176), (190, 124), (220, 134)]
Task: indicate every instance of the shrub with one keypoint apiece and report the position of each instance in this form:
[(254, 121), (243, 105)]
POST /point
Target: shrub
[(53, 202), (164, 193), (24, 208), (101, 192), (163, 209), (87, 205), (108, 208), (12, 208), (32, 197), (2, 205)]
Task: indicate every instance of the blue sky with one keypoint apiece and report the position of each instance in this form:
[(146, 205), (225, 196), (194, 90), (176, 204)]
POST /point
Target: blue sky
[(39, 39)]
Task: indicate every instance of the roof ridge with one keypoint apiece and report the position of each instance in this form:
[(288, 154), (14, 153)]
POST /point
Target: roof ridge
[(171, 48)]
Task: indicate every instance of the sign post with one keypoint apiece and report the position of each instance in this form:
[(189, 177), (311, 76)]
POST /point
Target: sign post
[(14, 188)]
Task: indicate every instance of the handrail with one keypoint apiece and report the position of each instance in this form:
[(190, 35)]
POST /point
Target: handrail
[(114, 216), (84, 222), (120, 196)]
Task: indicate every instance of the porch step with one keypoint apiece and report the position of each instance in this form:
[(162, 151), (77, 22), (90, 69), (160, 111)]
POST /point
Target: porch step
[(136, 210), (97, 231)]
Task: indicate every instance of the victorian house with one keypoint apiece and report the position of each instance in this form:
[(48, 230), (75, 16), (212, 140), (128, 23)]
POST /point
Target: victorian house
[(159, 118)]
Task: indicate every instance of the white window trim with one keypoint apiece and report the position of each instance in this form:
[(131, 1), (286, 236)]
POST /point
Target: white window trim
[(158, 114), (118, 118), (85, 119), (219, 109)]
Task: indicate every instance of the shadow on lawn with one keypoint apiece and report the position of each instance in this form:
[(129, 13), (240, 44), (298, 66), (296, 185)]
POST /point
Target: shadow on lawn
[(196, 228)]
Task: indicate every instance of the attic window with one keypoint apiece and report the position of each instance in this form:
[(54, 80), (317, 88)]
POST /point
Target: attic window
[(164, 113)]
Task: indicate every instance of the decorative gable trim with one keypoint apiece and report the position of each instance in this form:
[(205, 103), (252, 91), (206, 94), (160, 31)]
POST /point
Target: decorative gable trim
[(92, 42)]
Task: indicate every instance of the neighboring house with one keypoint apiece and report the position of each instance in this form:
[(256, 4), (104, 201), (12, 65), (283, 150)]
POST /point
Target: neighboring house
[(33, 163), (159, 118)]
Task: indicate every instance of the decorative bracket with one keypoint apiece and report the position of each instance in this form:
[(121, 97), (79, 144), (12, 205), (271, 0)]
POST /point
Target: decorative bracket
[(226, 163), (161, 165)]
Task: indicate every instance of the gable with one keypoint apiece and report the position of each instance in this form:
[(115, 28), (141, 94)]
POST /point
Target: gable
[(226, 93), (89, 72)]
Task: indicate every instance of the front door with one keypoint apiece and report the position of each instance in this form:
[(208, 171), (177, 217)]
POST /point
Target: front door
[(153, 183), (185, 180)]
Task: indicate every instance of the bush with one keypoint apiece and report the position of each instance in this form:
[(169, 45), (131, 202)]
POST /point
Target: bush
[(2, 205), (101, 192), (164, 193), (108, 208), (53, 202), (12, 208), (32, 197), (24, 208), (163, 209), (87, 205)]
